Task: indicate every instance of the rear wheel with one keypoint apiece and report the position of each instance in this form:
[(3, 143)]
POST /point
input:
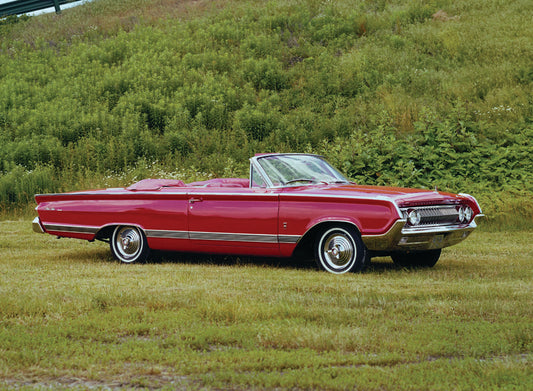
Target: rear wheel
[(340, 250), (128, 244), (417, 259)]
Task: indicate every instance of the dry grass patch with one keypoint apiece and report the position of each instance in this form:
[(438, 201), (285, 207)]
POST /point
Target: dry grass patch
[(70, 316)]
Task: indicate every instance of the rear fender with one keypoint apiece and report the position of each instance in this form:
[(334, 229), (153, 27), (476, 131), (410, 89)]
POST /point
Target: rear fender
[(106, 231)]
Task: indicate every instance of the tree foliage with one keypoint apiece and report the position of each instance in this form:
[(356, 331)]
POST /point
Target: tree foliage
[(396, 92)]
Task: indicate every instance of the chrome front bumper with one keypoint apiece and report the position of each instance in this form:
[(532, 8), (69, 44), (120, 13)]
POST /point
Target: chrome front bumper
[(402, 238), (37, 227)]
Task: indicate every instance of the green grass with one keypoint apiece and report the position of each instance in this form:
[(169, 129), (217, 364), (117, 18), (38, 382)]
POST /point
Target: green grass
[(71, 316)]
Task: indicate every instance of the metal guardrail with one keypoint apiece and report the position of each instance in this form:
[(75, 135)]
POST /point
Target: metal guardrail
[(23, 6)]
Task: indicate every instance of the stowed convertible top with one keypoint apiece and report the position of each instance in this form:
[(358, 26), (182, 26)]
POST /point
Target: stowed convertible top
[(155, 184), (158, 184)]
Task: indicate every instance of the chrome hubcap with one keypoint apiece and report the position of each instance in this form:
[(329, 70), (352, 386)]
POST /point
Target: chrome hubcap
[(338, 251), (129, 242)]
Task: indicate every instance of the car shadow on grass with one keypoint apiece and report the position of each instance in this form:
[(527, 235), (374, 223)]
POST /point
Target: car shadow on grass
[(381, 265), (158, 257), (102, 255)]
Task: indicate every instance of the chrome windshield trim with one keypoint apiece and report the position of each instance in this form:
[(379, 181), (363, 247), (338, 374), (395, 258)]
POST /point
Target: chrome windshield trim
[(259, 169), (255, 161)]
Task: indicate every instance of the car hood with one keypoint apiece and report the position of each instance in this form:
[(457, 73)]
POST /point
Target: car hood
[(403, 197)]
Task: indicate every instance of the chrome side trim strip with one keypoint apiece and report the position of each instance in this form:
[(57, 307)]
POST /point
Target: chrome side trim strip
[(223, 236), (164, 234), (345, 196), (168, 234), (264, 192), (233, 237), (289, 238), (78, 229), (194, 190)]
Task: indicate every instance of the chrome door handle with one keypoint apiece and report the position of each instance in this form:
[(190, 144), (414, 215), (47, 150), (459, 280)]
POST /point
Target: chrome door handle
[(193, 200)]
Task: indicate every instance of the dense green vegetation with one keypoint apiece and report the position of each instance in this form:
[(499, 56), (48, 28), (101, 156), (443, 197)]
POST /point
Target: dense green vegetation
[(396, 92), (73, 318)]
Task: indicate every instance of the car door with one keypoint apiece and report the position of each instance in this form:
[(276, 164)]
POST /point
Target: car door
[(163, 216), (234, 220)]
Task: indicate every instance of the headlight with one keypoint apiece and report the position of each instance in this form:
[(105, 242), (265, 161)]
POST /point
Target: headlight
[(461, 214), (467, 214), (464, 214), (413, 217)]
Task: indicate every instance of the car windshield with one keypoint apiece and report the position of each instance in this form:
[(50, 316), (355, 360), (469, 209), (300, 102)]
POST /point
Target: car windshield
[(297, 170)]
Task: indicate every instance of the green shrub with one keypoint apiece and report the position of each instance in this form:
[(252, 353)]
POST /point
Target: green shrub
[(255, 123), (18, 186), (265, 74), (390, 93)]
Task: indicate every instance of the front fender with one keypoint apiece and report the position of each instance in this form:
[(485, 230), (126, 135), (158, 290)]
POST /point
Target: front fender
[(333, 220)]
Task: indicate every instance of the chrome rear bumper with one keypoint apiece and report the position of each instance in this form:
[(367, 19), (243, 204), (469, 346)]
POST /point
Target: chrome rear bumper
[(402, 238), (37, 227)]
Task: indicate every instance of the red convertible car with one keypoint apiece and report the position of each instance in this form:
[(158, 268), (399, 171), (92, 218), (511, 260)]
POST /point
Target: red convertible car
[(291, 204)]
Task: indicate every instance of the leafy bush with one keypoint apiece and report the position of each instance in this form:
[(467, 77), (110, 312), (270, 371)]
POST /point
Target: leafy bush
[(18, 186), (265, 74), (256, 123), (403, 92)]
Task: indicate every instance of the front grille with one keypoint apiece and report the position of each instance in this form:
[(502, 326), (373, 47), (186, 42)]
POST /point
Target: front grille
[(435, 215)]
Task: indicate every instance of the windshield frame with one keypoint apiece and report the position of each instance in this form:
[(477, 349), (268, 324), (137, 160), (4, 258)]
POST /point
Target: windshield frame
[(262, 165)]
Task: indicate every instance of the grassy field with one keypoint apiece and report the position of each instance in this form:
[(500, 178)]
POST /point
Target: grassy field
[(72, 317)]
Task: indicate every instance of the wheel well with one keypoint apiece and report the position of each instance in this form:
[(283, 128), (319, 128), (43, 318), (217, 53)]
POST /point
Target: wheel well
[(105, 233), (304, 248)]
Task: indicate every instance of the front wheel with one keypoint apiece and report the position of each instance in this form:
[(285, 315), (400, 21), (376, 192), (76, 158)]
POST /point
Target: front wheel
[(128, 244), (340, 250), (417, 259)]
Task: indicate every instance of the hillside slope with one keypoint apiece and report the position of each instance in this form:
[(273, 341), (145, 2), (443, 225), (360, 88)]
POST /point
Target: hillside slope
[(400, 92)]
